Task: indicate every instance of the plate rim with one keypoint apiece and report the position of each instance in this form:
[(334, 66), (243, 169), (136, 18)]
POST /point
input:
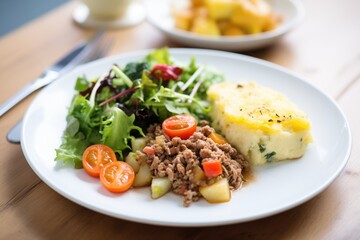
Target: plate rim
[(214, 53)]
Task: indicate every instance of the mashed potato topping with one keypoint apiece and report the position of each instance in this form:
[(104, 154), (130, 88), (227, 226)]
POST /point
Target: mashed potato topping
[(260, 122)]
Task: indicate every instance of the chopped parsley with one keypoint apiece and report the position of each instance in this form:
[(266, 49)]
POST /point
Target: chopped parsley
[(269, 156), (262, 147)]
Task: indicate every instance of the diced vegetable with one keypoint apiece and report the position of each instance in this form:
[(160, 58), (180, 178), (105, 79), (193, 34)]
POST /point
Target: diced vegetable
[(199, 174), (205, 26), (220, 9), (138, 144), (212, 168), (131, 160), (217, 192), (143, 177), (160, 139), (217, 138), (159, 187), (149, 150), (183, 19)]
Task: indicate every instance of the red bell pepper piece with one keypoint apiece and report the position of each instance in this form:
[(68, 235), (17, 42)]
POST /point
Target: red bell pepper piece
[(212, 168)]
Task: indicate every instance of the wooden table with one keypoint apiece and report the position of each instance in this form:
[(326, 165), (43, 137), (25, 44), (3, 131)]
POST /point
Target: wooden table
[(324, 49)]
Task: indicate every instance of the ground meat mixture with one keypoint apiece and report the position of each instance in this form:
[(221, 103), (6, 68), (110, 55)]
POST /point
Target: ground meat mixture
[(177, 159)]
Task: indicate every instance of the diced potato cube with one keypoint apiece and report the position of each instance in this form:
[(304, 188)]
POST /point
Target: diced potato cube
[(199, 175), (233, 31), (220, 9), (217, 192), (159, 187), (138, 144), (229, 29), (200, 12), (183, 19), (198, 3), (131, 160), (205, 26), (143, 177), (160, 139), (251, 15)]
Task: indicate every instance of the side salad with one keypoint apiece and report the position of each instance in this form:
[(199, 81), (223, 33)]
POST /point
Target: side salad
[(121, 104)]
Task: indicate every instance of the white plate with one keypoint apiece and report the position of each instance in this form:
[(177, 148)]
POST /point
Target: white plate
[(292, 12), (277, 187)]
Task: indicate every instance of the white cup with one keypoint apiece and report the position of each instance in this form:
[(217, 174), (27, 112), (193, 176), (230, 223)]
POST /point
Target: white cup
[(107, 9)]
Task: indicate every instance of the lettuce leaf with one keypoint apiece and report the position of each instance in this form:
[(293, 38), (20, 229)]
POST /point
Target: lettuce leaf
[(81, 131), (87, 125), (159, 56), (134, 70), (116, 129), (115, 123)]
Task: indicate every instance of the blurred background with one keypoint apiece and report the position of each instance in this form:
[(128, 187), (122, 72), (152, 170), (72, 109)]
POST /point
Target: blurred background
[(26, 10)]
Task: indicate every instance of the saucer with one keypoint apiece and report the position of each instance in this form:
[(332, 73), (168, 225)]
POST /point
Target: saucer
[(135, 15)]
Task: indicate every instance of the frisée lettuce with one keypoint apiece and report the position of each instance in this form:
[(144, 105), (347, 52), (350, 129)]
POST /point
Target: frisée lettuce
[(121, 104)]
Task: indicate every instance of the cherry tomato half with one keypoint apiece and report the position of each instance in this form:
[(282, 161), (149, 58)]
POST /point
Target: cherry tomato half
[(183, 126), (117, 176), (95, 157)]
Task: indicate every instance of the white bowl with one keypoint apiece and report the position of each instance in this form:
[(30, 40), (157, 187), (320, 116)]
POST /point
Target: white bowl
[(292, 12)]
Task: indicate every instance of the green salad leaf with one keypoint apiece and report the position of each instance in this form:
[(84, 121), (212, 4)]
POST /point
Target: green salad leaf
[(81, 131), (116, 129), (159, 56), (81, 84), (122, 103), (134, 70)]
